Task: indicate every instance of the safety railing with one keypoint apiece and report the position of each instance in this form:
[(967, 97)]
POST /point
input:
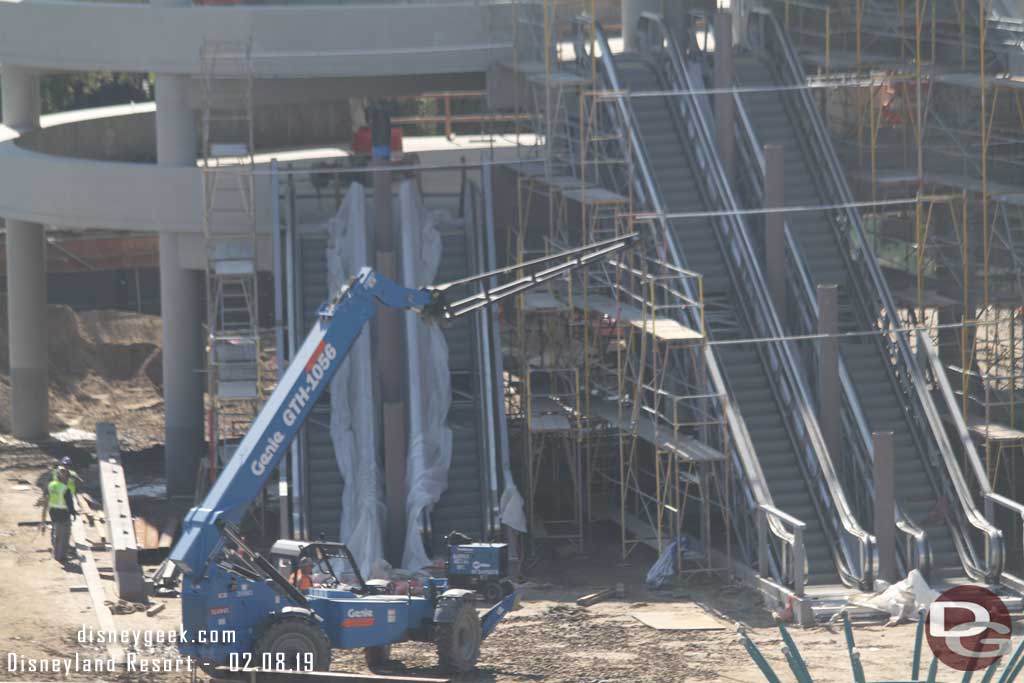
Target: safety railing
[(857, 435), (795, 538), (947, 399), (876, 299), (854, 557), (739, 447)]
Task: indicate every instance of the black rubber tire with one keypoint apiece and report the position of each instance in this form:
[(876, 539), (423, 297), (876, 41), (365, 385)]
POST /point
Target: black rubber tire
[(377, 656), (492, 592), (293, 637), (458, 642)]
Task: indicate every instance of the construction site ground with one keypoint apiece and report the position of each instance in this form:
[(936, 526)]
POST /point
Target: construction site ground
[(549, 639), (105, 366)]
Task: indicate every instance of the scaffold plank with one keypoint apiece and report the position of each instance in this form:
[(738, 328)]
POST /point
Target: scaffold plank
[(666, 329), (686, 448), (594, 195)]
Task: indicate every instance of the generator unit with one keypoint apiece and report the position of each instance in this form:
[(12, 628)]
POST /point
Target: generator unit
[(481, 567)]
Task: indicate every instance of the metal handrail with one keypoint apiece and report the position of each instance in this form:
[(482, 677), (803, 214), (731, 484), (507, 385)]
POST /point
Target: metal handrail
[(740, 443), (855, 562), (917, 552), (908, 374), (794, 538), (931, 357)]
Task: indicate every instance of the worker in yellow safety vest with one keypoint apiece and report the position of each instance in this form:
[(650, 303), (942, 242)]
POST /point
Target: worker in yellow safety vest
[(60, 503), (65, 462)]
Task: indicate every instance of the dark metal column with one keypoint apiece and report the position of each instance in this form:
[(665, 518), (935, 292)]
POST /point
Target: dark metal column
[(775, 226), (388, 347), (725, 105), (885, 506), (828, 368)]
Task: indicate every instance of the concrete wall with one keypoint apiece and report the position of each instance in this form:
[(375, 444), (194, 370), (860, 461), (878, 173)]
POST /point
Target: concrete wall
[(289, 41)]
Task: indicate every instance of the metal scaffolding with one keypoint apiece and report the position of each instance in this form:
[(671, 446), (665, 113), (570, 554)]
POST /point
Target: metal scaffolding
[(922, 107), (229, 228), (609, 383)]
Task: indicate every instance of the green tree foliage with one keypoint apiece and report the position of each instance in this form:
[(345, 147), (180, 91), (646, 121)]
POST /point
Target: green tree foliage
[(67, 91), (62, 92)]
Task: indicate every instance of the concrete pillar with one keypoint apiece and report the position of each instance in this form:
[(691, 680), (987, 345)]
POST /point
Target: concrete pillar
[(885, 506), (631, 11), (21, 102), (181, 304), (26, 280), (725, 105), (775, 227), (828, 369)]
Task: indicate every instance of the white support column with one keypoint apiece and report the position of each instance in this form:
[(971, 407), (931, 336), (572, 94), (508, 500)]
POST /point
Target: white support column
[(631, 11), (26, 280), (181, 303)]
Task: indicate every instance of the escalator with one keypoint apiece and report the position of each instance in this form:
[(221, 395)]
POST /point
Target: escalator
[(741, 363), (682, 175), (879, 372), (469, 502)]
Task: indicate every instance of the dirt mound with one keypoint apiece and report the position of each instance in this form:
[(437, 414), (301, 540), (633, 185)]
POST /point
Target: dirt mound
[(103, 365)]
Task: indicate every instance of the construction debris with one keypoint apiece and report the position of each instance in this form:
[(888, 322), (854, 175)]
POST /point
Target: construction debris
[(600, 596), (156, 609), (685, 617)]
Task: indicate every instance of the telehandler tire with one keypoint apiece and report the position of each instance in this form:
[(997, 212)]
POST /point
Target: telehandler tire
[(377, 656), (285, 644), (458, 642)]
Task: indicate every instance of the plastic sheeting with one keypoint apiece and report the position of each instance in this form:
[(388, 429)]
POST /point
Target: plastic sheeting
[(353, 413), (903, 600), (430, 391)]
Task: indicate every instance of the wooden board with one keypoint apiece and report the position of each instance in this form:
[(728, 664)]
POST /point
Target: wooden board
[(96, 592), (680, 618)]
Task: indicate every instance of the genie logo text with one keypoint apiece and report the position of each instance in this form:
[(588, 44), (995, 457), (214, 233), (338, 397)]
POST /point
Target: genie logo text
[(968, 627)]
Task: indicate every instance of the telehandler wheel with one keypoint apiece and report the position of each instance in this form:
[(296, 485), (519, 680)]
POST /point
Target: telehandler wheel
[(492, 592), (458, 642), (377, 656), (285, 645)]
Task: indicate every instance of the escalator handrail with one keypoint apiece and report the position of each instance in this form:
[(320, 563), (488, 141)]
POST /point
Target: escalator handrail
[(741, 441), (931, 358), (798, 404), (803, 284), (904, 357)]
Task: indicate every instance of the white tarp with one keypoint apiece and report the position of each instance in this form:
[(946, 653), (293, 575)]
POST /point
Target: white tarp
[(430, 391), (353, 414), (902, 601)]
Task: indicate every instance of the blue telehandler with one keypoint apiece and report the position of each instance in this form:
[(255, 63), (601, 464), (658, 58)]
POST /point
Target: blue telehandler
[(238, 609)]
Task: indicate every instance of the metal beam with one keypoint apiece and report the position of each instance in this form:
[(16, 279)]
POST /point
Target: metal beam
[(124, 548)]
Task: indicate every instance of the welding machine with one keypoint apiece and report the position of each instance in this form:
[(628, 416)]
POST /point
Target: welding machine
[(481, 567)]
